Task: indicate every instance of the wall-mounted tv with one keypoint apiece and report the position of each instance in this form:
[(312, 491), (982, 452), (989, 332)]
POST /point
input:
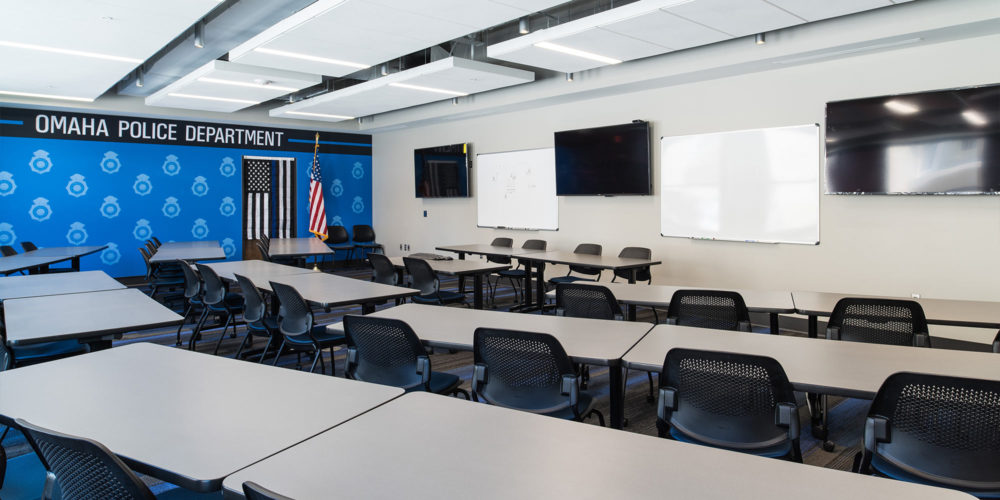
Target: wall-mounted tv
[(442, 172), (606, 161), (943, 142)]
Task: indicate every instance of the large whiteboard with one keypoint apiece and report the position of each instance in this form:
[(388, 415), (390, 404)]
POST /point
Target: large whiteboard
[(517, 189), (749, 185)]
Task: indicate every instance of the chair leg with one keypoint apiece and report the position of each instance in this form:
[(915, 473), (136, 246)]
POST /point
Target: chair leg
[(651, 397), (316, 358), (197, 329), (600, 416), (277, 356), (267, 346), (463, 392), (248, 336), (229, 318), (187, 311)]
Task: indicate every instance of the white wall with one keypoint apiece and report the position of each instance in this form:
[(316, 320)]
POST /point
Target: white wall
[(936, 246)]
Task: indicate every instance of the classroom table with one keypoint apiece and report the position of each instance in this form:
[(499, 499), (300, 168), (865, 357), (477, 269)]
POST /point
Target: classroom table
[(763, 301), (42, 257), (588, 341), (258, 271), (460, 268), (537, 260), (330, 290), (188, 250), (424, 446), (90, 317), (298, 247), (184, 417), (36, 285), (487, 250)]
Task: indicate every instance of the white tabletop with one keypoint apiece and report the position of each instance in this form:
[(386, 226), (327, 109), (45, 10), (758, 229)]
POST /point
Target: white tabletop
[(291, 247), (331, 290), (36, 285), (851, 369), (483, 249), (660, 295), (425, 446), (69, 252), (259, 271), (44, 256), (591, 341), (457, 267), (184, 417), (598, 261), (938, 311), (189, 250), (82, 316)]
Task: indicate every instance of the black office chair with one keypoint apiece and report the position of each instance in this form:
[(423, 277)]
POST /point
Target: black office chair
[(156, 241), (936, 430), (499, 259), (24, 474), (387, 351), (364, 240), (738, 402), (339, 241), (192, 295), (217, 299), (721, 310), (255, 316), (996, 342), (156, 279), (254, 491), (299, 333), (878, 321), (429, 285), (7, 250), (382, 270), (517, 275), (529, 372), (263, 248), (587, 301), (582, 249), (641, 274)]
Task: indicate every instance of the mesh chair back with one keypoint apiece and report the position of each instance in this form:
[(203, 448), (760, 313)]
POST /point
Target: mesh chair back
[(296, 316), (587, 249), (500, 242), (534, 245), (192, 283), (382, 269), (254, 306), (708, 309), (254, 491), (878, 321), (587, 301), (424, 277), (156, 242), (150, 247), (337, 234), (262, 248), (387, 351), (6, 357), (7, 250), (524, 370), (942, 429), (84, 468), (28, 246), (641, 274), (363, 233), (149, 267), (214, 291), (726, 399)]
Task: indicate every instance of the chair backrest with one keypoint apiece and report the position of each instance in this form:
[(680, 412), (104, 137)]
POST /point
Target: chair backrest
[(263, 249), (145, 259), (214, 290), (150, 247), (6, 356), (254, 491), (521, 370), (641, 274), (534, 245), (941, 429), (192, 282), (337, 234), (587, 249), (730, 400), (28, 246), (363, 233), (83, 468), (717, 309), (385, 351), (424, 278), (296, 315), (255, 308), (500, 242), (382, 269), (156, 241), (587, 301), (7, 250), (878, 321)]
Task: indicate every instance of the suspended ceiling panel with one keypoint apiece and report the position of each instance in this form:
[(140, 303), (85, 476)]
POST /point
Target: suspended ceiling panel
[(106, 40), (439, 80), (338, 37), (227, 87), (652, 27)]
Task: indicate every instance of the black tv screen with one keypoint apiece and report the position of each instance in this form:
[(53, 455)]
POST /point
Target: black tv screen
[(943, 142), (603, 161), (442, 172)]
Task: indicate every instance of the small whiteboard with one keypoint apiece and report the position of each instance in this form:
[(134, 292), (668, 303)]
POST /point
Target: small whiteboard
[(517, 189), (749, 185)]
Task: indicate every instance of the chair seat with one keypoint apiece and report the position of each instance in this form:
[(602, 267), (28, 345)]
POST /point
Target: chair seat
[(232, 301), (585, 403), (48, 350), (887, 469), (776, 451), (512, 273), (268, 324), (322, 335), (441, 297), (568, 279), (368, 245), (340, 247), (441, 383)]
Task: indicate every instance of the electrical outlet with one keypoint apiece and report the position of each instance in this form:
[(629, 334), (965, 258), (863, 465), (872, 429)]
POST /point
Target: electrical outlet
[(407, 247), (400, 246), (915, 295), (425, 213)]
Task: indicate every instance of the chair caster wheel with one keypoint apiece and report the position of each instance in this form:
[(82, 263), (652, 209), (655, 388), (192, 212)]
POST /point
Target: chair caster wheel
[(828, 446)]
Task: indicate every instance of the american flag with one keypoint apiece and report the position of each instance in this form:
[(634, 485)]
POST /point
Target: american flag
[(269, 184), (317, 210)]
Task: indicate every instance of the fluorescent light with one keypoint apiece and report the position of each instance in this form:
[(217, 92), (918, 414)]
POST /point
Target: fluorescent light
[(975, 117), (247, 84), (47, 96), (307, 57), (901, 107), (209, 98), (578, 53), (81, 53), (319, 115), (427, 89)]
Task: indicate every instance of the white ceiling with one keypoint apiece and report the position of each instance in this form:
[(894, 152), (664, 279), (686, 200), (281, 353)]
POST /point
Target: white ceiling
[(130, 29), (226, 87), (380, 95)]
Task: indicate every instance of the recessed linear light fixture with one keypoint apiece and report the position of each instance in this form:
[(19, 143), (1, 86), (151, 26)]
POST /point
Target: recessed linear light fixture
[(428, 89), (210, 98), (576, 52), (901, 107), (759, 39), (307, 57), (46, 96), (69, 52), (320, 115), (247, 84), (975, 117)]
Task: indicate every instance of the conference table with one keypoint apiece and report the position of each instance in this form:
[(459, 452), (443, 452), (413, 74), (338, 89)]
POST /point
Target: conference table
[(188, 250), (258, 271), (187, 418), (298, 247), (460, 268), (36, 285), (587, 341), (425, 446), (42, 257)]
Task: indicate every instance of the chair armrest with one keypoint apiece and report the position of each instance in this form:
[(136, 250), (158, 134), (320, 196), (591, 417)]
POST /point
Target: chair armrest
[(570, 387), (352, 361), (922, 340), (424, 369), (670, 321), (478, 377), (744, 326), (787, 415), (832, 333), (667, 401), (876, 431)]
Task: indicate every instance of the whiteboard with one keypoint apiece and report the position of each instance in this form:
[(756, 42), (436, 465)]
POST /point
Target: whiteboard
[(749, 185), (517, 189)]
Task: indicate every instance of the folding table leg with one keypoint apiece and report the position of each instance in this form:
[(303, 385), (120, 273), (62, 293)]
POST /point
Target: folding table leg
[(617, 394)]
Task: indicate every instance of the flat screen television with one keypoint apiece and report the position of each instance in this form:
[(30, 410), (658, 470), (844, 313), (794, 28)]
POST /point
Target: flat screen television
[(943, 142), (442, 172), (606, 161)]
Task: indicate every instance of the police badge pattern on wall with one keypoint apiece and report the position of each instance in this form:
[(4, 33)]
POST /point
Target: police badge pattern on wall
[(63, 186)]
